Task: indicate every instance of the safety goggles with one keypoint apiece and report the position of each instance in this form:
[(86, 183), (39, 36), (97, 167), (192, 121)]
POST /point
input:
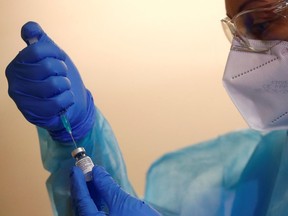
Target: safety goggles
[(266, 24)]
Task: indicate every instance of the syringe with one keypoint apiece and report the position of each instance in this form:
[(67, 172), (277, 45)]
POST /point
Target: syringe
[(67, 126), (63, 117)]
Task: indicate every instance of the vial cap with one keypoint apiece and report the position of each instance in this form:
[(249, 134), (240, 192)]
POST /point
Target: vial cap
[(77, 151)]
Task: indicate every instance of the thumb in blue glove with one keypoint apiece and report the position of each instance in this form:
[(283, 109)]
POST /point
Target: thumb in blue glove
[(44, 82), (118, 201)]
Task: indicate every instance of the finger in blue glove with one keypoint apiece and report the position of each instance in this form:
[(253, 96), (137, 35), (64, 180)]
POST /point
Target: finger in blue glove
[(44, 82), (118, 201), (83, 203)]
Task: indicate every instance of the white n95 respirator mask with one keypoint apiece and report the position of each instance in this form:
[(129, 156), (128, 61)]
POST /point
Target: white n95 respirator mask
[(258, 85)]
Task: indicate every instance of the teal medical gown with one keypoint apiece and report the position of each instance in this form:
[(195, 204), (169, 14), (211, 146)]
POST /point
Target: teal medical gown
[(240, 173)]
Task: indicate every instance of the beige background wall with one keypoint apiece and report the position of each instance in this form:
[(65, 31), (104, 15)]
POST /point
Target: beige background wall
[(154, 68)]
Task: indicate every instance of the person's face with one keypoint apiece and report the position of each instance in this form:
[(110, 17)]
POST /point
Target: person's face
[(250, 76), (276, 30)]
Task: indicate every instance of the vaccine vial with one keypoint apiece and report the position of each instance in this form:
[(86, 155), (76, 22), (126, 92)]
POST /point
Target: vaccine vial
[(84, 162)]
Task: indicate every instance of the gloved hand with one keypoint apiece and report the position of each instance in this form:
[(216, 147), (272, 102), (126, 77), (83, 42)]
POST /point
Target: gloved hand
[(44, 83), (118, 201)]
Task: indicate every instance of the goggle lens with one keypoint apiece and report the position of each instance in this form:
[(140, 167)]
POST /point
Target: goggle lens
[(265, 24)]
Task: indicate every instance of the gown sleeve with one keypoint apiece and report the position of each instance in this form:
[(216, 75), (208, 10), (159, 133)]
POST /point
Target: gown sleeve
[(100, 144), (239, 173)]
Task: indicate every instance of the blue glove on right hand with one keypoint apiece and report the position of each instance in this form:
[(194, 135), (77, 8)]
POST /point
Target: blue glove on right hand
[(118, 201), (44, 83)]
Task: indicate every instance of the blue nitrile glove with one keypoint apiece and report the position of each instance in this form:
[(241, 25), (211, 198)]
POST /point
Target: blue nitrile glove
[(118, 201), (44, 83)]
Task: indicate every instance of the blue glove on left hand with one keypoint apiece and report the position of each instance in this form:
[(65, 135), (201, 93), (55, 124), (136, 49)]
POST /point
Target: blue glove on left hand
[(44, 82), (118, 201)]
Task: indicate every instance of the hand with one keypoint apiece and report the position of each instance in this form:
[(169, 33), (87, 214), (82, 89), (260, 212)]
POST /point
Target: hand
[(118, 201), (43, 82)]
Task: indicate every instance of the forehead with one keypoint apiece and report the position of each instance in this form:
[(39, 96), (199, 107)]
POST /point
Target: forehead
[(235, 6)]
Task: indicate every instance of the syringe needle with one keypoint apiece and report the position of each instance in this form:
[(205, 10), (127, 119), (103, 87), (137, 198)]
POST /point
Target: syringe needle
[(73, 140)]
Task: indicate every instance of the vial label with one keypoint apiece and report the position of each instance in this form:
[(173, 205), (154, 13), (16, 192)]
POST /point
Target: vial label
[(86, 166)]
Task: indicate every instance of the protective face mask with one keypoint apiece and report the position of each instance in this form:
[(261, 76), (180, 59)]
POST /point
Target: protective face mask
[(258, 86)]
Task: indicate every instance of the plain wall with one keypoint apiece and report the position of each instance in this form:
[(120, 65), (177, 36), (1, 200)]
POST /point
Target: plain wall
[(154, 68)]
